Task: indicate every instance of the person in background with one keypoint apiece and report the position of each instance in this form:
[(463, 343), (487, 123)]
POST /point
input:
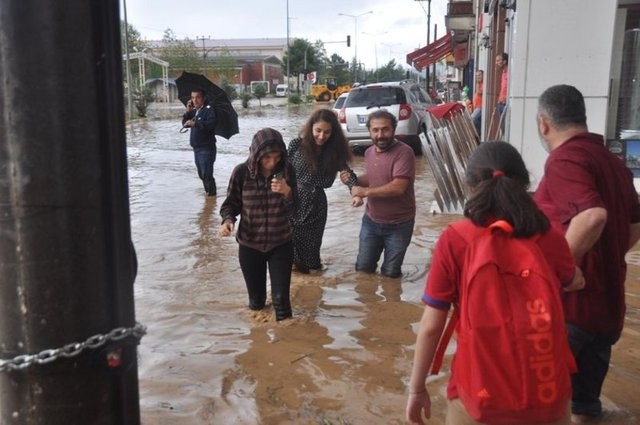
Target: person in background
[(464, 98), (476, 115), (200, 117), (262, 192), (502, 64), (498, 181), (317, 155), (588, 193), (388, 185)]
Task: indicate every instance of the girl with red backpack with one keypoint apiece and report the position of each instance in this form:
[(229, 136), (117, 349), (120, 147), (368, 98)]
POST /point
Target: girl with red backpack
[(502, 269)]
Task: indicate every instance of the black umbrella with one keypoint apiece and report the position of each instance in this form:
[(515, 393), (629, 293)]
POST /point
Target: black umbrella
[(226, 116)]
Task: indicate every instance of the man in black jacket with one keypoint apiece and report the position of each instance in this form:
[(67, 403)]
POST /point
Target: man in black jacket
[(200, 117)]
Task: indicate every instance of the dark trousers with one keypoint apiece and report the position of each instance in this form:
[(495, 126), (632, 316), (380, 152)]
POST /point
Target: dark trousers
[(204, 158), (254, 269), (592, 352), (500, 107)]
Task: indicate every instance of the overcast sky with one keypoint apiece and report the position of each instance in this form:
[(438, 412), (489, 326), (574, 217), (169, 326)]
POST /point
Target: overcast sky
[(395, 28)]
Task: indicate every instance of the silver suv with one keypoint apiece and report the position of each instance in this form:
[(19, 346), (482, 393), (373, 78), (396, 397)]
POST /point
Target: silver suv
[(404, 99)]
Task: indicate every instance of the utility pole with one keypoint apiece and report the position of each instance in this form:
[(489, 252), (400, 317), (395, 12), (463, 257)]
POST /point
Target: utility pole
[(288, 53), (126, 51), (429, 42), (67, 264), (204, 54), (435, 37)]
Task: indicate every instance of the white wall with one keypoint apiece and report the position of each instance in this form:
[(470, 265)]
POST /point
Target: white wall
[(558, 42)]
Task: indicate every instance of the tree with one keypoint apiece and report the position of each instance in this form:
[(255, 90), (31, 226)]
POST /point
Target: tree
[(259, 92), (135, 43), (357, 71), (390, 72), (337, 68), (181, 54), (142, 97), (225, 66), (131, 39), (296, 55)]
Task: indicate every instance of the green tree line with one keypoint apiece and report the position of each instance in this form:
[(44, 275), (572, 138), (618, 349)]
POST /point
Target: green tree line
[(302, 57)]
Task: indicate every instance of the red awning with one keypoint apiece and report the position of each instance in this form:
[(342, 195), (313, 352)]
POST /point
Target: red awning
[(430, 54)]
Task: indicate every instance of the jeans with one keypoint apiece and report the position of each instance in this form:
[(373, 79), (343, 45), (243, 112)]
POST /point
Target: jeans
[(393, 239), (254, 269), (204, 159), (500, 107), (592, 353), (476, 119)]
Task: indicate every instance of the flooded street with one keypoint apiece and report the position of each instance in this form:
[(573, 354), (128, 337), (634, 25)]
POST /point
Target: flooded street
[(346, 355)]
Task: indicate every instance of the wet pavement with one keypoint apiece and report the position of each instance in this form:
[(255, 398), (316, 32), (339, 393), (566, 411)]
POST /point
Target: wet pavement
[(344, 358)]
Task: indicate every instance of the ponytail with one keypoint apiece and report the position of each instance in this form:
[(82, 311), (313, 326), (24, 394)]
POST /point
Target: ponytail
[(498, 181)]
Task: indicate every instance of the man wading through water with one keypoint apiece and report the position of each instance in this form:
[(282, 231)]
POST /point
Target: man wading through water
[(201, 119)]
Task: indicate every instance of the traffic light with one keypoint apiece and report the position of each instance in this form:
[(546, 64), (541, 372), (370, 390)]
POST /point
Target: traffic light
[(348, 41)]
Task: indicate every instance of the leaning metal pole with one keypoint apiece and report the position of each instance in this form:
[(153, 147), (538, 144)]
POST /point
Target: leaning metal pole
[(68, 335), (128, 61)]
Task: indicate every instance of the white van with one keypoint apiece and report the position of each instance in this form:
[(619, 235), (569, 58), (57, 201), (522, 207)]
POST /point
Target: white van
[(281, 90)]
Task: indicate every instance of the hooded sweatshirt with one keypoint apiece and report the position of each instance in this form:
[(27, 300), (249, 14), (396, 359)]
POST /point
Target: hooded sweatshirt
[(264, 214)]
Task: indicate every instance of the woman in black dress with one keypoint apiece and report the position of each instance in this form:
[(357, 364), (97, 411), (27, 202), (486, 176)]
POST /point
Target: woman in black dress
[(317, 155)]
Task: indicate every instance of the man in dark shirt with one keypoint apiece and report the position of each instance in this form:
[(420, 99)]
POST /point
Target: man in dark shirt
[(588, 193), (200, 117)]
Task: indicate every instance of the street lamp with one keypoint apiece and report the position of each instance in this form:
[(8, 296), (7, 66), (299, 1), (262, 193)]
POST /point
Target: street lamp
[(390, 46), (375, 46), (355, 19), (428, 12)]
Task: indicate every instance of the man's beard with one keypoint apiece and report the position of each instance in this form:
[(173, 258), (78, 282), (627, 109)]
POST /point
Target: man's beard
[(383, 143)]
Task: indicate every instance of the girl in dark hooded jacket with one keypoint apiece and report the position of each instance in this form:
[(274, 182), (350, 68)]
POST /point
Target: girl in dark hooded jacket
[(262, 192)]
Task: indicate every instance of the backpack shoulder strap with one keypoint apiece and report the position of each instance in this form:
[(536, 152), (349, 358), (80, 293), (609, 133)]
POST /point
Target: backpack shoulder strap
[(444, 341), (469, 232)]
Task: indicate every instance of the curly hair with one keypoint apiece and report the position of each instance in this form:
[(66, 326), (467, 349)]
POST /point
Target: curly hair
[(335, 151)]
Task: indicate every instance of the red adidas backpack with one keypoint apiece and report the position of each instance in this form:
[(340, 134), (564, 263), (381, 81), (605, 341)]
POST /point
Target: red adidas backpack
[(513, 362)]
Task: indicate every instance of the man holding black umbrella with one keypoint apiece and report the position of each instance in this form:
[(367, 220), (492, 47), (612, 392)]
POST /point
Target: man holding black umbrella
[(200, 117)]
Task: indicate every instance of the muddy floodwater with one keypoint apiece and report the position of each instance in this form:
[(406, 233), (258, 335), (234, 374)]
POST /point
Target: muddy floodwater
[(344, 358)]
